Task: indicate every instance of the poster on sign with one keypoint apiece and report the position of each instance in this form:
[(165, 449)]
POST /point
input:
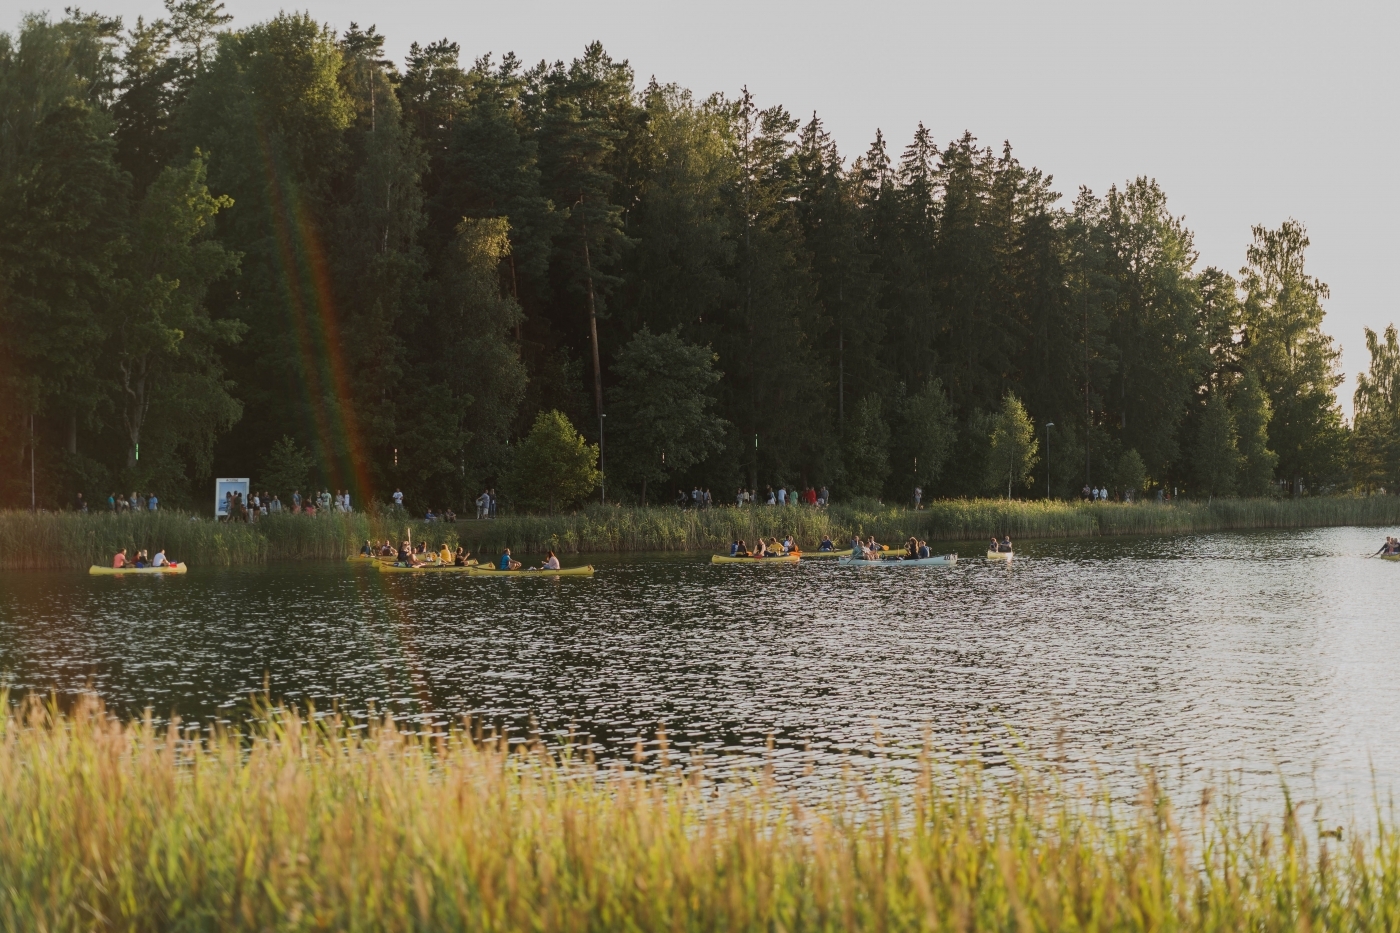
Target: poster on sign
[(225, 488)]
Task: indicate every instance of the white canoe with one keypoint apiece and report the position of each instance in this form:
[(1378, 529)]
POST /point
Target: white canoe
[(941, 560)]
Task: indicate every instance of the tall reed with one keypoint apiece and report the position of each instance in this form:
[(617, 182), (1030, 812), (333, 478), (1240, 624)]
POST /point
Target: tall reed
[(312, 825), (69, 540)]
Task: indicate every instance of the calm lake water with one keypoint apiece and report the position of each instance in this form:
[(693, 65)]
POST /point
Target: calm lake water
[(1259, 656)]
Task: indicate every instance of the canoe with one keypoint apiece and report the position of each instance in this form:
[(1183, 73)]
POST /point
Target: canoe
[(845, 552), (1390, 557), (585, 571), (390, 567), (999, 555), (725, 559), (940, 560), (97, 571)]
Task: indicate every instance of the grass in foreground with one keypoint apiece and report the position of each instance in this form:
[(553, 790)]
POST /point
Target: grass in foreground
[(302, 826)]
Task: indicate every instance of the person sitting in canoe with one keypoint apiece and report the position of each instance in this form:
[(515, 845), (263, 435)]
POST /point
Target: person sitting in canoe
[(1391, 546), (507, 562), (140, 560), (445, 554), (1005, 547), (911, 548), (775, 549), (760, 549), (119, 559), (551, 562), (461, 557), (734, 548), (874, 547), (995, 545), (367, 549), (405, 556), (924, 552), (743, 549), (160, 560), (790, 544), (857, 549), (827, 544)]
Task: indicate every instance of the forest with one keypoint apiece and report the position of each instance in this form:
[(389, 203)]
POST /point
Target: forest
[(272, 252)]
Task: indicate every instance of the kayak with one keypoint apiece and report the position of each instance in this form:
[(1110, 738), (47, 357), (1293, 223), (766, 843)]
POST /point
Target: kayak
[(391, 567), (1390, 557), (585, 571), (725, 559), (940, 560), (98, 571), (999, 555)]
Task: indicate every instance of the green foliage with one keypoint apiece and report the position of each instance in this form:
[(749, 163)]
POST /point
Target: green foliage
[(553, 466), (1252, 416), (1014, 447), (1215, 455), (1129, 473), (924, 431), (1376, 430), (286, 469), (866, 449), (661, 413), (1294, 360)]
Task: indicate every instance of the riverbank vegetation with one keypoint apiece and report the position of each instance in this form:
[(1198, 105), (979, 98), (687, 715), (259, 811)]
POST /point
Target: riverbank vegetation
[(201, 274), (58, 540), (312, 825)]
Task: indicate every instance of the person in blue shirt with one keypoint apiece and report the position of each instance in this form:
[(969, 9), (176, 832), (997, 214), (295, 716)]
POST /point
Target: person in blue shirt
[(507, 562), (827, 544), (734, 548)]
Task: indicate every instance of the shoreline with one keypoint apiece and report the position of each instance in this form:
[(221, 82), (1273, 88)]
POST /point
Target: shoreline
[(73, 541)]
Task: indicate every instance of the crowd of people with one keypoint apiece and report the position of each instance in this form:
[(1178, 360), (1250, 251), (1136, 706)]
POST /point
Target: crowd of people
[(702, 498), (770, 548), (256, 505)]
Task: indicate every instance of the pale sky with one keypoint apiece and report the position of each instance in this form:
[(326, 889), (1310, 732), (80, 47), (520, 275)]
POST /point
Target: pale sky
[(1245, 113)]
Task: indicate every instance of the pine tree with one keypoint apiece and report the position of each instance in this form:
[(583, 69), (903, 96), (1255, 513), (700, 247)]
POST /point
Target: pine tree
[(1295, 361), (1252, 416)]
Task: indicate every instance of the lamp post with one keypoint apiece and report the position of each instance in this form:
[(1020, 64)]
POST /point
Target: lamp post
[(1048, 426)]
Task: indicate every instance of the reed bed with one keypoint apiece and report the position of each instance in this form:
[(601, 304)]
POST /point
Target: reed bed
[(58, 540), (304, 824)]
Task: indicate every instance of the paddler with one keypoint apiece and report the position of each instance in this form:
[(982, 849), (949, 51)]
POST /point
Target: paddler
[(1006, 545), (827, 544), (507, 562), (461, 557), (743, 549), (119, 559), (405, 556), (445, 554), (159, 560), (790, 544), (551, 562), (367, 550)]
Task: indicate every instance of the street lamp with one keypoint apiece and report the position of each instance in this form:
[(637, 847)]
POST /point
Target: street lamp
[(1048, 426)]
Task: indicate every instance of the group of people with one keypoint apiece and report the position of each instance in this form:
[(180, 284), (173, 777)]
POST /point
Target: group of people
[(507, 562), (770, 548), (255, 505), (486, 504), (121, 562), (116, 502), (447, 515), (783, 496), (1391, 548), (1001, 547)]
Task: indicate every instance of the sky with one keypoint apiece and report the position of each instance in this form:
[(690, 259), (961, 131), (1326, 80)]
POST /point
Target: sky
[(1245, 113)]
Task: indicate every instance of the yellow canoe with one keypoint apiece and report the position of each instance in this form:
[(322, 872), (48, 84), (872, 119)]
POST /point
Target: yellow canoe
[(725, 559), (999, 555), (98, 571), (390, 567), (1390, 557), (584, 571)]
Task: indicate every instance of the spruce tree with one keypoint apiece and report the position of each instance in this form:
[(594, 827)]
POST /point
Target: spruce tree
[(1215, 455)]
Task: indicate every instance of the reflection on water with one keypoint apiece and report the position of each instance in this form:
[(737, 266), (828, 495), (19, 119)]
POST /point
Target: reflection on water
[(1265, 654)]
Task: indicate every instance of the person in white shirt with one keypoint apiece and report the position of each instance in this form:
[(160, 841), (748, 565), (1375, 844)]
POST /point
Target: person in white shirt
[(159, 560), (398, 498)]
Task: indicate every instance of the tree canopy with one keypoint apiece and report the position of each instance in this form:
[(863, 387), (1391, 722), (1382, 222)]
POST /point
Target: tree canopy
[(217, 241)]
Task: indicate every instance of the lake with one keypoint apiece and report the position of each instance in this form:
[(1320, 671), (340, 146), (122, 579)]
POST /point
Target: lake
[(1257, 656)]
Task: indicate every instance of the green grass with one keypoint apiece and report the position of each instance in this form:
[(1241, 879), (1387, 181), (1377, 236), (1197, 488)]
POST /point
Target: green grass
[(301, 826), (67, 540)]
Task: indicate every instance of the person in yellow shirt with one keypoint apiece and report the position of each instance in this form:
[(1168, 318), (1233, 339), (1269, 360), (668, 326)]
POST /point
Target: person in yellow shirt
[(445, 555)]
